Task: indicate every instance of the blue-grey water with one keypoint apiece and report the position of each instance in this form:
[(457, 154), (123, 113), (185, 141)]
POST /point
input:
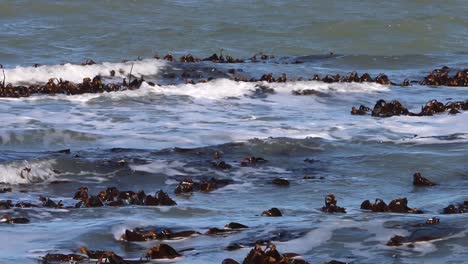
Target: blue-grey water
[(354, 157)]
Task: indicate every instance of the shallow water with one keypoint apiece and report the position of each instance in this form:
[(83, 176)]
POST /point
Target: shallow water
[(169, 132)]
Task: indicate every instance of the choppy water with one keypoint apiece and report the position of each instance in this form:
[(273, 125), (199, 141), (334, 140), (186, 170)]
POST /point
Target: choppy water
[(358, 157)]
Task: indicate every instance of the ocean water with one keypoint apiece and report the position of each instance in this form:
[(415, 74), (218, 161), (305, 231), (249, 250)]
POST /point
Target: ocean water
[(168, 132)]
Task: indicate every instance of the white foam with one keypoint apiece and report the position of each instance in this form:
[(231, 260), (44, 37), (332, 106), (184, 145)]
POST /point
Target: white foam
[(23, 172), (429, 128), (225, 88), (170, 168), (76, 73)]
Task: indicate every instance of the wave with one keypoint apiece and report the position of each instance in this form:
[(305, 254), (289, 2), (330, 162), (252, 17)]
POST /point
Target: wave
[(76, 73), (25, 172)]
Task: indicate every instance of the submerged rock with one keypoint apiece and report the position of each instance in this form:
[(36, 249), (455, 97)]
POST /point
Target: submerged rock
[(456, 208), (280, 182)]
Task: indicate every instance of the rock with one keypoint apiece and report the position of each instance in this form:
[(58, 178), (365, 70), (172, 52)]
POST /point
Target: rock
[(273, 212), (229, 261), (185, 187), (19, 220), (330, 205), (384, 109), (361, 111), (62, 258), (162, 251), (419, 180), (164, 199), (400, 205), (456, 209), (280, 182), (234, 225)]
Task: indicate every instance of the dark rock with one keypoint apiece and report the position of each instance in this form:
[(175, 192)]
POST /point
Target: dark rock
[(162, 251), (280, 181), (185, 187), (330, 205), (456, 209), (229, 261), (19, 220), (400, 205), (419, 180), (5, 205), (361, 111), (273, 212), (62, 258), (234, 225), (233, 247), (384, 109), (164, 199), (221, 165), (47, 202), (252, 161)]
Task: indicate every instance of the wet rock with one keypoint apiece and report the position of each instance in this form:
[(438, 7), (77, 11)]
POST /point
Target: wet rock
[(396, 241), (164, 199), (456, 208), (234, 246), (185, 187), (378, 206), (47, 202), (133, 236), (62, 258), (5, 190), (454, 111), (361, 111), (25, 205), (162, 251), (252, 161), (431, 230), (234, 225), (330, 205), (139, 235), (309, 92), (189, 58), (92, 254), (221, 165), (432, 107), (432, 221), (273, 212), (10, 220), (383, 79), (93, 201), (280, 182), (269, 256), (168, 57), (384, 109), (400, 205), (229, 261), (419, 180), (64, 151), (217, 231), (5, 205), (208, 186)]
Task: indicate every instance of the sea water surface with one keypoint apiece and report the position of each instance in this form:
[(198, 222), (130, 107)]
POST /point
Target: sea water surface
[(152, 138)]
